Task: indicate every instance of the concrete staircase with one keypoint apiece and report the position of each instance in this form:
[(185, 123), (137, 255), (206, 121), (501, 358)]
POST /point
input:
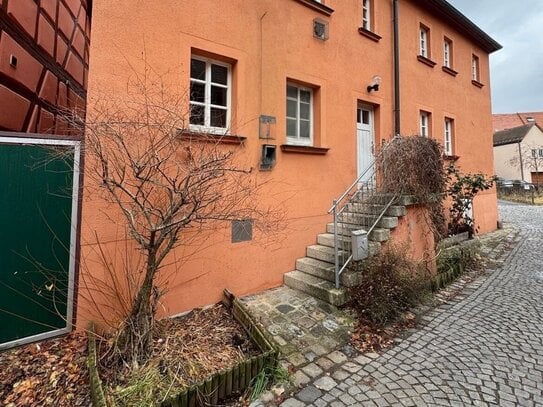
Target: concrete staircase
[(314, 274)]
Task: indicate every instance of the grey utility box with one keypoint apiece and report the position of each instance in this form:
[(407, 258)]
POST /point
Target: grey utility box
[(359, 242)]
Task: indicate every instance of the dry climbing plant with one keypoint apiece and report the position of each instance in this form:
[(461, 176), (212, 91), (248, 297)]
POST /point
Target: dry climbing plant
[(414, 166)]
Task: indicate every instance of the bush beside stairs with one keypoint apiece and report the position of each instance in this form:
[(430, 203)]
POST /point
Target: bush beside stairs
[(314, 274)]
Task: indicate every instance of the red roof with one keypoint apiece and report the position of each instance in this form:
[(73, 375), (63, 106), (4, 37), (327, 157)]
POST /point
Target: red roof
[(511, 120)]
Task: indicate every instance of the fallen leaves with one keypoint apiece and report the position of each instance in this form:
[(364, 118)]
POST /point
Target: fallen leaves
[(368, 337), (49, 373)]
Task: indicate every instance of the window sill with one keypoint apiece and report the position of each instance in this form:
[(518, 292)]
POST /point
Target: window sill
[(315, 5), (204, 137), (290, 148), (453, 157), (477, 83), (369, 34), (426, 61), (450, 71)]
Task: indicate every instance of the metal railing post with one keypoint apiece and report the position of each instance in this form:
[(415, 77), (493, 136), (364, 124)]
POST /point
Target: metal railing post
[(336, 249)]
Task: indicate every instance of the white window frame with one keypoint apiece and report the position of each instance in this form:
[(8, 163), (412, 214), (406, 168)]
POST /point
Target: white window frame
[(366, 15), (298, 140), (447, 45), (424, 120), (207, 98), (424, 33), (449, 132), (475, 68)]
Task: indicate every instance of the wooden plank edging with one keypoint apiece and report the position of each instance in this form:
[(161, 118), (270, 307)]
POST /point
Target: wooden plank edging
[(98, 397)]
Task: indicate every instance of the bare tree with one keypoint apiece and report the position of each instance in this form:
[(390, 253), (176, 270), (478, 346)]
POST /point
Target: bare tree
[(161, 183)]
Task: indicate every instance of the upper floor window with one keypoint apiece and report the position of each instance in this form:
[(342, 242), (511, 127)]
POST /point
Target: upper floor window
[(366, 15), (475, 75), (448, 142), (447, 53), (210, 87), (424, 124), (424, 42), (299, 115)]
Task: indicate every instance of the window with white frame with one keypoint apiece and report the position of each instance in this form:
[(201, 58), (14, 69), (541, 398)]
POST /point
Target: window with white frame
[(210, 87), (424, 124), (447, 53), (541, 153), (424, 42), (299, 115), (449, 131), (475, 68), (366, 15)]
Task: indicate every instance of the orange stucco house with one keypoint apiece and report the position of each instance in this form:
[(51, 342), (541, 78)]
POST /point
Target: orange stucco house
[(306, 71)]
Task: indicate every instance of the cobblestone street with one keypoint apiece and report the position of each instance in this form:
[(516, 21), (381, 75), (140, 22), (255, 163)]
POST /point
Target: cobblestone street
[(484, 348)]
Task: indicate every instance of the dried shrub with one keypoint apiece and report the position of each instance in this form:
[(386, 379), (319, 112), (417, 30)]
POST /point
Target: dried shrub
[(391, 284), (414, 166)]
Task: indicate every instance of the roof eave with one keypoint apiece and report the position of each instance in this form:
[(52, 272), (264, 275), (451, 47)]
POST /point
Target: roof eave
[(455, 17)]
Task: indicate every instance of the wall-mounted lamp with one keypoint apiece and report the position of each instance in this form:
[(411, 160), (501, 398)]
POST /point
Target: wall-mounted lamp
[(374, 85)]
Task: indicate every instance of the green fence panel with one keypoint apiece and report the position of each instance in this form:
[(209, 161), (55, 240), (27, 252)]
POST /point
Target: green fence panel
[(35, 233)]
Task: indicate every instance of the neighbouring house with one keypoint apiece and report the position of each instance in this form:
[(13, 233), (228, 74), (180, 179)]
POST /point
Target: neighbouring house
[(320, 78), (506, 121), (518, 153), (44, 54)]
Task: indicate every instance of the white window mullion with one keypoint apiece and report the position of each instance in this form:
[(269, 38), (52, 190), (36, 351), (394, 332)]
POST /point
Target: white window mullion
[(207, 119), (298, 114)]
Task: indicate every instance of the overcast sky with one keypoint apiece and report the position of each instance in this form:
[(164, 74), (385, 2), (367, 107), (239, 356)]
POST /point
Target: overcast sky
[(516, 70)]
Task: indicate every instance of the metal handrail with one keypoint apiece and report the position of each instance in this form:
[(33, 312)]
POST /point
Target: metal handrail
[(337, 209), (356, 182)]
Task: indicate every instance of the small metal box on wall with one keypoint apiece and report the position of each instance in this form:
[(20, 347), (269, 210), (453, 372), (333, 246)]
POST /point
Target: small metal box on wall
[(359, 242)]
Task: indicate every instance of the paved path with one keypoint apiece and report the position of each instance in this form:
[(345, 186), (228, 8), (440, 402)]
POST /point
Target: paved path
[(484, 349)]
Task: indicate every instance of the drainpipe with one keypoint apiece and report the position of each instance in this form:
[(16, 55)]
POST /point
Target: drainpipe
[(521, 163), (397, 122)]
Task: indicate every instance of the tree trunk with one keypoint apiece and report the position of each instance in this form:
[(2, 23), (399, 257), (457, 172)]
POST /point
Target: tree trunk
[(137, 335)]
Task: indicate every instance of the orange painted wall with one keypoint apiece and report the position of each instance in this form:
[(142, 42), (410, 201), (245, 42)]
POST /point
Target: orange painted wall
[(272, 41)]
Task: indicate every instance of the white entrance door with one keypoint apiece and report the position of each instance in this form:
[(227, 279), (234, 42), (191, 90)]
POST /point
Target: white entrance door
[(365, 137)]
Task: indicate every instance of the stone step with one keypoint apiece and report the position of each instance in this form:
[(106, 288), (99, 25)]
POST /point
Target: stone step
[(323, 253), (327, 239), (364, 220), (316, 287), (393, 210), (326, 271), (377, 234)]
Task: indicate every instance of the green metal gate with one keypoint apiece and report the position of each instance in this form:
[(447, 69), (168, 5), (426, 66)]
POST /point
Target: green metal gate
[(39, 181)]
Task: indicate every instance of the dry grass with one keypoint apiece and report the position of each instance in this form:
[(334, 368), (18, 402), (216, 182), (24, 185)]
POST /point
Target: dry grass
[(185, 351), (523, 198)]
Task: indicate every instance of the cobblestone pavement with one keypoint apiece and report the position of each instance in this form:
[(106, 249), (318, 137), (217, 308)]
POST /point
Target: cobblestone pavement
[(484, 348)]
